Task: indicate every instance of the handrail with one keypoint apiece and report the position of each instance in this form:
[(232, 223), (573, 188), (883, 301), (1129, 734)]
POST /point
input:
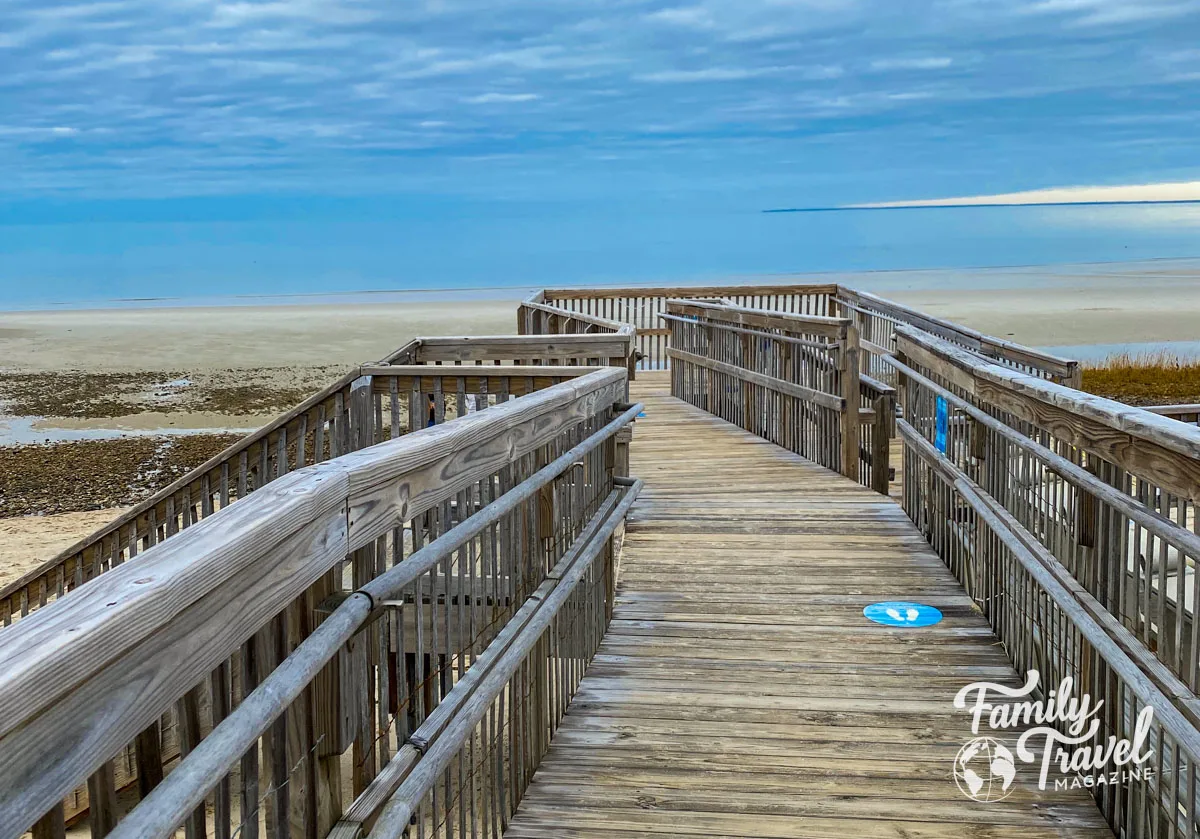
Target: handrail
[(471, 704), (875, 319), (186, 787), (317, 428), (164, 622), (1049, 623), (1108, 489), (867, 307), (826, 327), (1158, 442), (690, 292)]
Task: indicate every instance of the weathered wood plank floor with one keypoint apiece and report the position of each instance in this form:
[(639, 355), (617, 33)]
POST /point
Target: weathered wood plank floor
[(741, 693)]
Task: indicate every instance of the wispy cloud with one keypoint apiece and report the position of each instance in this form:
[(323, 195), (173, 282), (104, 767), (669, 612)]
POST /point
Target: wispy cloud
[(1128, 194), (1109, 12), (494, 98), (929, 63)]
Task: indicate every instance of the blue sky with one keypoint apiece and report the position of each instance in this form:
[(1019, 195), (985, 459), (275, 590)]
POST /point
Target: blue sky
[(135, 132)]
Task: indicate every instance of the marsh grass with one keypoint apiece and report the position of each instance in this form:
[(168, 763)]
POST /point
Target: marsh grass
[(1159, 378)]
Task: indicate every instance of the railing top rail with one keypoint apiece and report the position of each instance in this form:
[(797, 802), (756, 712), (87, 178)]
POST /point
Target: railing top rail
[(581, 317), (881, 388), (163, 621), (975, 339), (474, 371), (685, 291), (836, 328), (1144, 442), (1170, 410)]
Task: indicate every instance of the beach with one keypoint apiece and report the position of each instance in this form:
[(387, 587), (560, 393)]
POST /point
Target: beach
[(220, 370)]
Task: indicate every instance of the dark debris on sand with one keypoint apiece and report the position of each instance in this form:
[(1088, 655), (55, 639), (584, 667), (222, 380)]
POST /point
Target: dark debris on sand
[(95, 395), (95, 474)]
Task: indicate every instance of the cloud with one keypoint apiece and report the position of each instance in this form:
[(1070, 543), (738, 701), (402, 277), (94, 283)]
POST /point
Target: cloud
[(195, 96), (492, 98), (688, 16), (1110, 12), (1130, 194), (708, 74), (932, 63)]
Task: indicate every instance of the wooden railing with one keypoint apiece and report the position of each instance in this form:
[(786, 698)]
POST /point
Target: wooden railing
[(278, 643), (404, 397), (642, 308), (791, 379), (877, 320), (1070, 520), (1189, 413), (1106, 489)]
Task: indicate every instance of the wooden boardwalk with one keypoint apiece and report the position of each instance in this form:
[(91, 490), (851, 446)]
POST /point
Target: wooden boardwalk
[(740, 692)]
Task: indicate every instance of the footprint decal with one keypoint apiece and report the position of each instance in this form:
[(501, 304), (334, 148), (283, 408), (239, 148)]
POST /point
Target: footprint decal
[(899, 613)]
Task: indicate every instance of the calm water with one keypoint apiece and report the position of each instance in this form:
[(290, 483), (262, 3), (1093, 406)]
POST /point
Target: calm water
[(519, 245)]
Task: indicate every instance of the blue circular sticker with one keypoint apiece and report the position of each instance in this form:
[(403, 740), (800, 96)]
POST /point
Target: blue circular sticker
[(900, 613)]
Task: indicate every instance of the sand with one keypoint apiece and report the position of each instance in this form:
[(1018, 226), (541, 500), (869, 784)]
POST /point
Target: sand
[(223, 337), (26, 541), (1068, 305)]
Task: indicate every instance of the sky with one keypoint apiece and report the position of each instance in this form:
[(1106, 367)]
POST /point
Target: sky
[(150, 142)]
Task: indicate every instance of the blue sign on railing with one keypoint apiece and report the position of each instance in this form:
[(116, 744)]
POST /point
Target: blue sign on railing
[(943, 425)]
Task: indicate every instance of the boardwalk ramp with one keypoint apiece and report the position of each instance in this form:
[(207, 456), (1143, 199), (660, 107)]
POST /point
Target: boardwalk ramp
[(740, 691)]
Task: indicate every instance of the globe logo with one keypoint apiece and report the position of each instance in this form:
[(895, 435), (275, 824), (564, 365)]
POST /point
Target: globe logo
[(984, 770)]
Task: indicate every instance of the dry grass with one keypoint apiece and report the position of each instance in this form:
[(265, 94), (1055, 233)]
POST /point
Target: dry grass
[(1160, 378)]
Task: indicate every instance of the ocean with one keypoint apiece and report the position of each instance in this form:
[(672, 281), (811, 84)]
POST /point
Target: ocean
[(187, 257)]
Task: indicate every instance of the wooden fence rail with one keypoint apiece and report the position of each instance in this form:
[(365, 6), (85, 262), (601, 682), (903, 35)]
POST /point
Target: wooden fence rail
[(877, 321), (1189, 413), (792, 379), (642, 308), (189, 630)]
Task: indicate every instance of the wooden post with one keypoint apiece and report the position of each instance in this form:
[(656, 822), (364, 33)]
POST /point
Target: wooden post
[(52, 825), (623, 438), (848, 371), (1074, 379), (1087, 511), (880, 443)]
